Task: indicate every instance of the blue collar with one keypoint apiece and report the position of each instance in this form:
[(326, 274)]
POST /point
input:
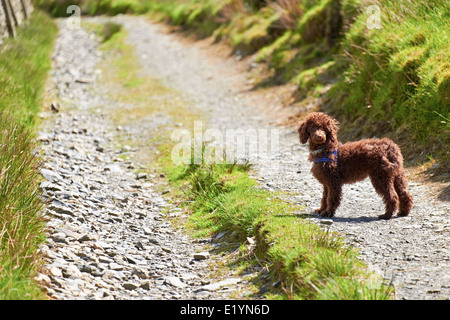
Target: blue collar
[(327, 158)]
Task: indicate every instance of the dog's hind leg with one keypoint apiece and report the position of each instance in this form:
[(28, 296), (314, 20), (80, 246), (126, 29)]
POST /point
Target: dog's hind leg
[(384, 186), (404, 196)]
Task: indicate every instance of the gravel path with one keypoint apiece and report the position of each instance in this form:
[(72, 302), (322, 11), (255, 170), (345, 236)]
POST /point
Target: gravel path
[(412, 252)]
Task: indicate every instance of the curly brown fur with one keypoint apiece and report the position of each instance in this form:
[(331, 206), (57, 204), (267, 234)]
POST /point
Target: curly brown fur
[(379, 159)]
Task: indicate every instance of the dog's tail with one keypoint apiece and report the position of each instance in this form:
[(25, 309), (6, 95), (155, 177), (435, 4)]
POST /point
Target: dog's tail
[(389, 165), (392, 159)]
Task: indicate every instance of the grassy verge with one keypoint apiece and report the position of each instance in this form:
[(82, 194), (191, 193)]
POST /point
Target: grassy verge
[(398, 77), (309, 262), (24, 63), (93, 7)]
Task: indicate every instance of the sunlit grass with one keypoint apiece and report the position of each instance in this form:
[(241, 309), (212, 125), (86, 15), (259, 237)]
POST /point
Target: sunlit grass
[(24, 63)]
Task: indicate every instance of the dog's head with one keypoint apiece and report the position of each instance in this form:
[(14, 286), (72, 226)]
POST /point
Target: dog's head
[(318, 128)]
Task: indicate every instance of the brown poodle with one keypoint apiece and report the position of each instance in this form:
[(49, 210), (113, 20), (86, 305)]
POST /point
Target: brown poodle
[(335, 164)]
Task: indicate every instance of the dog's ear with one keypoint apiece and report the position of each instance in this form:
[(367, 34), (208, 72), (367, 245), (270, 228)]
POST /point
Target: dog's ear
[(302, 133)]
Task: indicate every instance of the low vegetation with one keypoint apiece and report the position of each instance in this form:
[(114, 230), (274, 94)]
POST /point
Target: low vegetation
[(24, 64), (60, 8)]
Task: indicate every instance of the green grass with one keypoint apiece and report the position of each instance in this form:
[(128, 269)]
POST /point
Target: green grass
[(399, 74), (222, 193), (24, 63), (22, 225), (58, 8)]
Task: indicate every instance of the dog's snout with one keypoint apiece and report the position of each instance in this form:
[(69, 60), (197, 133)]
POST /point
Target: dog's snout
[(318, 136)]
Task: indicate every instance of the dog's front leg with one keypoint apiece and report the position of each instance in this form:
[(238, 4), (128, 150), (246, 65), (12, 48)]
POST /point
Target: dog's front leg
[(323, 202), (334, 195)]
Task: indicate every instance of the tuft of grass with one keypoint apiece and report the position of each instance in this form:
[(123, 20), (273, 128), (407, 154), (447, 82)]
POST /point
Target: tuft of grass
[(109, 29), (24, 63), (22, 224), (224, 193)]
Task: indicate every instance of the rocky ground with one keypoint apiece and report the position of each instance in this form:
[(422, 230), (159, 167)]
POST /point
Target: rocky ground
[(108, 234)]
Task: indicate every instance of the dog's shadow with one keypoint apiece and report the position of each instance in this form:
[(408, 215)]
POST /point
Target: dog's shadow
[(359, 219)]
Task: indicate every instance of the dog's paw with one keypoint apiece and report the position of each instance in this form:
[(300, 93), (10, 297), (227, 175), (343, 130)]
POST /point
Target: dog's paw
[(385, 216), (318, 211), (327, 214)]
